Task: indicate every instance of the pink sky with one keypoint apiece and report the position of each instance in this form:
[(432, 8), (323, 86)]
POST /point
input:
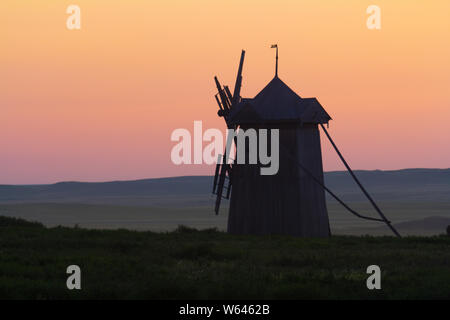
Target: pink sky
[(100, 103)]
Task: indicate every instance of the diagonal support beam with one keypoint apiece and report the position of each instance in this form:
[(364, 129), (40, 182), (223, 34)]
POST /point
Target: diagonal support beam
[(359, 184)]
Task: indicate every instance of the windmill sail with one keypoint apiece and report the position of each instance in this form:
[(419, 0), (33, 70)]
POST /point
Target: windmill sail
[(226, 101)]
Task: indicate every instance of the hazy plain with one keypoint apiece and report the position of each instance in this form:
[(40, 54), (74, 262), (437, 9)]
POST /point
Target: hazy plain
[(417, 201)]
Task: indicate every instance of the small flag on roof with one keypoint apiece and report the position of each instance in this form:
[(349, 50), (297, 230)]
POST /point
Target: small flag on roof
[(276, 64)]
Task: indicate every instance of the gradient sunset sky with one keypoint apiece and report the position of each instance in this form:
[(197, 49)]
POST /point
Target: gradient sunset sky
[(100, 103)]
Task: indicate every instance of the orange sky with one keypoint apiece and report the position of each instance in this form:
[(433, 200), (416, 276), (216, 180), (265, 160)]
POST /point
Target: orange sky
[(100, 103)]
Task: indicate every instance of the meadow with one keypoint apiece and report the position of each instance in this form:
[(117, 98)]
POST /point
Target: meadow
[(127, 239), (209, 264)]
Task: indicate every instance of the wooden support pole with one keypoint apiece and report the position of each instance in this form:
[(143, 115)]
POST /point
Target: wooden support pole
[(359, 183)]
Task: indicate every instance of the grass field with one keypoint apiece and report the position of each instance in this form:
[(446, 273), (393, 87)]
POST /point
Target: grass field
[(190, 264)]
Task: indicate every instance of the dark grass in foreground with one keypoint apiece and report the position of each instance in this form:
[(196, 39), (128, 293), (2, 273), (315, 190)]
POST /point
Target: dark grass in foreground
[(190, 264)]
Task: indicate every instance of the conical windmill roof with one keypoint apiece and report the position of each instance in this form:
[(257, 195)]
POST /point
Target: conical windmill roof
[(278, 103)]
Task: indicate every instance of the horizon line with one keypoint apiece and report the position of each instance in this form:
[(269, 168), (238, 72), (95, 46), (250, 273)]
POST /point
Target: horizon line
[(186, 176)]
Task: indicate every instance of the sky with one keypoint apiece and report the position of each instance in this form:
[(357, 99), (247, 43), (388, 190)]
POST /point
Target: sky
[(100, 103)]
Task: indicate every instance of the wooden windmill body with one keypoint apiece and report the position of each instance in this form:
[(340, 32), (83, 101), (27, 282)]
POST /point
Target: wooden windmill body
[(289, 202)]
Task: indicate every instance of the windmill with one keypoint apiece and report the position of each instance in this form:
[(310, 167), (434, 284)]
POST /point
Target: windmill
[(293, 200)]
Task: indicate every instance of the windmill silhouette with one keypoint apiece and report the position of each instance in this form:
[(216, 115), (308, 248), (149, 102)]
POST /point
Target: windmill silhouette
[(293, 200)]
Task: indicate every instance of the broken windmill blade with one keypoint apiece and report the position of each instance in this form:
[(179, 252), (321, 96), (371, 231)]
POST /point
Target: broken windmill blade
[(229, 96), (226, 103), (238, 84), (225, 175), (218, 102)]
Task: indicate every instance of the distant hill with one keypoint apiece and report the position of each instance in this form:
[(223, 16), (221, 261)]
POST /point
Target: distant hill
[(400, 185), (432, 225), (160, 186), (163, 191)]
